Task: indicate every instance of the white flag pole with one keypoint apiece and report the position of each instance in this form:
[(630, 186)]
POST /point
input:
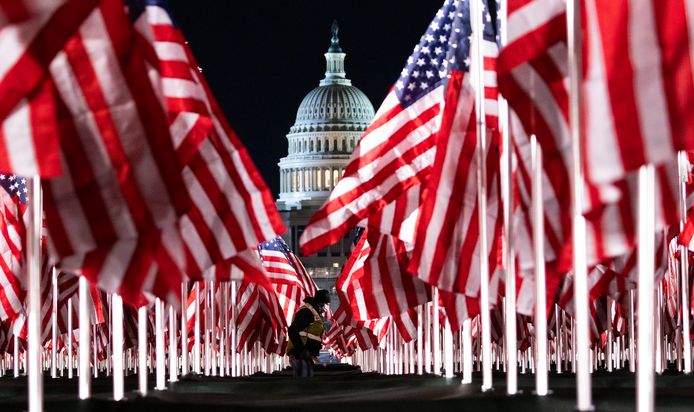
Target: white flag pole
[(582, 350), (427, 336), (184, 328), (54, 324), (232, 345), (142, 349), (34, 372), (160, 349), (448, 349), (206, 327), (117, 328), (83, 347), (510, 343), (196, 332), (173, 349), (212, 354), (420, 344), (645, 377), (436, 331), (684, 264), (70, 356), (477, 69), (541, 370), (467, 351)]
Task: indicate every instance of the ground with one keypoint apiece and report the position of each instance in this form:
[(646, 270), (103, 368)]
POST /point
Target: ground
[(339, 388)]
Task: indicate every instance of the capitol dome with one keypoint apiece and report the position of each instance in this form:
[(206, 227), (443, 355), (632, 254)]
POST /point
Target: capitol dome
[(329, 122)]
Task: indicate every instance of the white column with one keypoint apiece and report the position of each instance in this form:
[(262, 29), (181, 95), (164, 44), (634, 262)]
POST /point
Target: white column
[(448, 349), (684, 265)]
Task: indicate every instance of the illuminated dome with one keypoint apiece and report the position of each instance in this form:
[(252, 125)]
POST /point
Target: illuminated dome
[(329, 122)]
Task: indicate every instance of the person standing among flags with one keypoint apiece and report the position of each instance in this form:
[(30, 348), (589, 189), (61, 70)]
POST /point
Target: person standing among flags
[(306, 334)]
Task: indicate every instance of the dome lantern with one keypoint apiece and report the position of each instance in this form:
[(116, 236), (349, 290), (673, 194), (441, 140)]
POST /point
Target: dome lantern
[(335, 61)]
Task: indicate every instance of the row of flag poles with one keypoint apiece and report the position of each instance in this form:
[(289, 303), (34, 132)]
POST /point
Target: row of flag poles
[(523, 189)]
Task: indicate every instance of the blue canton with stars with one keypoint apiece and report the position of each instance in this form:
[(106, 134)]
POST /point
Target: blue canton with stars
[(444, 47), (15, 186), (277, 245)]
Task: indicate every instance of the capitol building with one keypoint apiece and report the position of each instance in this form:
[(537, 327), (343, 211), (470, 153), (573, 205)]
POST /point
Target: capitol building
[(329, 122)]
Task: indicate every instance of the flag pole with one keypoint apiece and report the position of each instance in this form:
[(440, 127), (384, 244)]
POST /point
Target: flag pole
[(436, 332), (142, 348), (160, 349), (206, 326), (33, 354), (478, 79), (173, 352), (420, 344), (70, 358), (684, 263), (645, 377), (510, 343), (427, 335), (184, 328), (196, 332), (212, 354), (467, 351), (541, 369), (582, 339), (448, 349), (117, 336), (232, 343), (54, 324), (83, 347)]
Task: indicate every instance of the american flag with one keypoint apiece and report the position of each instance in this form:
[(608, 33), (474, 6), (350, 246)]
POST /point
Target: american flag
[(232, 208), (33, 32), (374, 282), (447, 242), (638, 77), (287, 274), (533, 77), (12, 234)]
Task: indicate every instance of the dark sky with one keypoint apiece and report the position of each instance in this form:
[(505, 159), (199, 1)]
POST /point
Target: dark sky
[(262, 57)]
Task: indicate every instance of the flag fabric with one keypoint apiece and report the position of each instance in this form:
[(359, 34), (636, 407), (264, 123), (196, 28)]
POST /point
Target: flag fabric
[(398, 148), (12, 234), (111, 215), (637, 82), (232, 208), (284, 270), (446, 248), (533, 77), (32, 33), (374, 282)]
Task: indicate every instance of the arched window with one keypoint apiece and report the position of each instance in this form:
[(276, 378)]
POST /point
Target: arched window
[(344, 147), (335, 145), (318, 145)]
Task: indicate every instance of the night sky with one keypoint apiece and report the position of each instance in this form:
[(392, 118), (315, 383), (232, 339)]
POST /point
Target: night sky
[(262, 57)]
